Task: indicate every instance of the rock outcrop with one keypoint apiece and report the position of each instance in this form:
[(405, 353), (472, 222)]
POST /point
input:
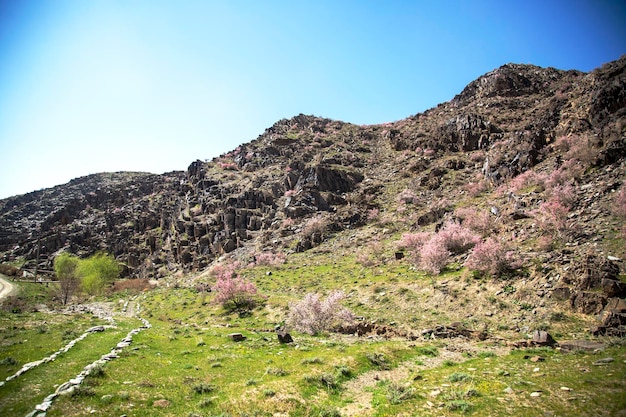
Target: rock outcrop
[(265, 192)]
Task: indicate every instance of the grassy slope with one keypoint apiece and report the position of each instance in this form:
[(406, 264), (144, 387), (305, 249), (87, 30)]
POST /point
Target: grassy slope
[(188, 359)]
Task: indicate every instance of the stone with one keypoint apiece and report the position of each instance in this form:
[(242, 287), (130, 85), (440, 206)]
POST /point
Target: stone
[(584, 345), (613, 288), (588, 302), (535, 394), (603, 361), (562, 293), (543, 338), (237, 337), (283, 336)]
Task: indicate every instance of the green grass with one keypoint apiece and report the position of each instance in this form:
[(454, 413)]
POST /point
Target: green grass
[(187, 365)]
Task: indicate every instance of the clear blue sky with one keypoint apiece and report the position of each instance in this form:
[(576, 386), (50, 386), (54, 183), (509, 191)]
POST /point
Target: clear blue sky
[(92, 86)]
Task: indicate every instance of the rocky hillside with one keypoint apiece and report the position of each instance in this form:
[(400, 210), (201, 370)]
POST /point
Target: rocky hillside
[(510, 141)]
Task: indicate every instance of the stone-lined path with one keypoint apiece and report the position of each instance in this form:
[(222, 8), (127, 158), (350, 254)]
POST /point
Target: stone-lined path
[(71, 385)]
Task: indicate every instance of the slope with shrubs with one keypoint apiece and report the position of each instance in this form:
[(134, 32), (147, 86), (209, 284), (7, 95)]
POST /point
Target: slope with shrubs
[(409, 261)]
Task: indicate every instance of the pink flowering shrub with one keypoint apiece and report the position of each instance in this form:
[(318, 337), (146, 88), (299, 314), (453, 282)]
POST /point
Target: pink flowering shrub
[(456, 238), (476, 188), (481, 222), (373, 214), (313, 315), (270, 258), (434, 256), (315, 225), (564, 194), (228, 166), (413, 241), (551, 217), (432, 252), (526, 180), (232, 291), (492, 258)]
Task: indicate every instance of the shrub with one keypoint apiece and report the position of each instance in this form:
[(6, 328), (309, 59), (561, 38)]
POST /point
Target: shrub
[(397, 393), (481, 222), (313, 315), (551, 216), (413, 241), (235, 293), (525, 180), (459, 377), (66, 269), (456, 238), (204, 388), (476, 188), (427, 351), (491, 258), (135, 284), (270, 258), (315, 226), (434, 255), (9, 270), (564, 194), (98, 271), (379, 360)]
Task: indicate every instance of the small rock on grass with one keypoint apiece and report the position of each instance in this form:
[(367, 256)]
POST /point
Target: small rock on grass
[(535, 394), (603, 361), (565, 389)]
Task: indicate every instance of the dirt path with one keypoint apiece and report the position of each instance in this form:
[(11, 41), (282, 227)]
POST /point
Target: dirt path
[(6, 288)]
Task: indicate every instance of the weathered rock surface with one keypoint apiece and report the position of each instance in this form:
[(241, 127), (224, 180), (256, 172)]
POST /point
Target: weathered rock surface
[(265, 191)]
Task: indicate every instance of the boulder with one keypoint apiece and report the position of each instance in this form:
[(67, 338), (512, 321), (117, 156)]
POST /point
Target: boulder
[(237, 337), (543, 338), (587, 302), (584, 345)]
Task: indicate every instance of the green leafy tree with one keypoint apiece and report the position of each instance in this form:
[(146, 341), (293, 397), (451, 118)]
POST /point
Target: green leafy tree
[(97, 272), (66, 269)]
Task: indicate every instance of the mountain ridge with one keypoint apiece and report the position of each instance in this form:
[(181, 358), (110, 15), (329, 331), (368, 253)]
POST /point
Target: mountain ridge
[(499, 126)]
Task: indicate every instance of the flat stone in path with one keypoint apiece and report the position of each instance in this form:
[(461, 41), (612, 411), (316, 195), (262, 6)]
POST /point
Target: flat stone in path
[(586, 345)]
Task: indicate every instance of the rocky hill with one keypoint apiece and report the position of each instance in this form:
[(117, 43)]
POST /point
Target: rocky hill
[(506, 143)]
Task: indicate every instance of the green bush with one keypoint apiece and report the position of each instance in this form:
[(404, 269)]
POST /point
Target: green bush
[(98, 271)]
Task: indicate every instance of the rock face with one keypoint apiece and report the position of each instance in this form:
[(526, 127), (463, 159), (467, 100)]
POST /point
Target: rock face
[(267, 193)]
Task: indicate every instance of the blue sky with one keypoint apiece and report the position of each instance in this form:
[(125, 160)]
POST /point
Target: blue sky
[(92, 86)]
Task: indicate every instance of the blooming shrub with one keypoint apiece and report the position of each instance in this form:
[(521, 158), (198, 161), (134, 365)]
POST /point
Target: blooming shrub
[(476, 188), (564, 194), (228, 166), (413, 241), (315, 225), (551, 216), (456, 238), (525, 180), (232, 291), (313, 315), (270, 258), (433, 256), (481, 222), (492, 258), (235, 293)]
